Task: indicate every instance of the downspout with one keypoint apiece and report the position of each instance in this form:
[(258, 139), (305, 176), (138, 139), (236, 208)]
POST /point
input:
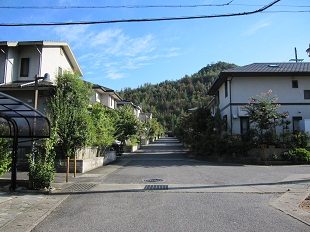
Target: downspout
[(230, 106), (5, 66), (40, 60), (38, 74)]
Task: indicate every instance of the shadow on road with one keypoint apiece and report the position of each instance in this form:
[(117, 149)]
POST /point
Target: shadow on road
[(64, 192)]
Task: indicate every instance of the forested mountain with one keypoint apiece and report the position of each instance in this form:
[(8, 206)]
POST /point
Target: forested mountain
[(169, 99)]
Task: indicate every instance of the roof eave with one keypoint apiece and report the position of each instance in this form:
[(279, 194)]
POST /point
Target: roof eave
[(72, 59), (224, 75)]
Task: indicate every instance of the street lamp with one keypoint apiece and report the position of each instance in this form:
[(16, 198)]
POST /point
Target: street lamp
[(308, 51)]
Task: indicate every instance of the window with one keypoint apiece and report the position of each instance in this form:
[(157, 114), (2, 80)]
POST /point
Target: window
[(296, 123), (59, 71), (225, 126), (226, 89), (244, 125), (307, 94), (24, 67), (294, 84)]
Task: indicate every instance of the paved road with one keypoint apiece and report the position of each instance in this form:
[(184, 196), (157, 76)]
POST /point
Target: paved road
[(195, 196)]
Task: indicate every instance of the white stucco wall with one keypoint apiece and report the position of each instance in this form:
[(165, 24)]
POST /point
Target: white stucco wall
[(52, 59), (32, 53), (12, 72), (291, 99), (245, 87)]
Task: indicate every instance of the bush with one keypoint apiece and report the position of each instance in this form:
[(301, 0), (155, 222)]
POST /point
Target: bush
[(41, 171), (230, 144), (300, 139), (297, 154), (5, 156), (41, 163)]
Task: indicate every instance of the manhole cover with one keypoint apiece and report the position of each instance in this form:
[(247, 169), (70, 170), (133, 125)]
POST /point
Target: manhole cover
[(156, 187), (153, 180), (80, 187)]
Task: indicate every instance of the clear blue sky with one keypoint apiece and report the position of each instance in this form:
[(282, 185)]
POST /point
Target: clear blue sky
[(121, 55)]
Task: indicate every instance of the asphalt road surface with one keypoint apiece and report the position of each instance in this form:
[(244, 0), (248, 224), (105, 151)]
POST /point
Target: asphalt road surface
[(192, 196)]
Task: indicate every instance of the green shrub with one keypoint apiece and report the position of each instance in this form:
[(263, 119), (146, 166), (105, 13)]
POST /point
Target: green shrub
[(300, 139), (41, 171), (5, 156), (234, 144), (297, 154), (41, 165)]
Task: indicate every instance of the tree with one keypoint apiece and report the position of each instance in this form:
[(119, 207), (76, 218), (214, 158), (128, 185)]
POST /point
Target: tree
[(264, 116), (41, 163), (69, 114), (104, 128), (164, 100), (200, 130), (5, 156), (127, 123)]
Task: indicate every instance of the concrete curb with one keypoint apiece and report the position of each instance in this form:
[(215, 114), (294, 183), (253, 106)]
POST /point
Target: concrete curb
[(289, 203)]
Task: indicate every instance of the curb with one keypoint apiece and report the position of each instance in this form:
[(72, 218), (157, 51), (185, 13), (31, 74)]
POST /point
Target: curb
[(289, 203)]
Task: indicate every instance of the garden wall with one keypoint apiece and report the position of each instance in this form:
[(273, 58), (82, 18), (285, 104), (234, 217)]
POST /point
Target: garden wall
[(87, 160)]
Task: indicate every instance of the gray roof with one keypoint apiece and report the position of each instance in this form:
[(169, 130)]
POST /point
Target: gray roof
[(262, 69), (291, 67)]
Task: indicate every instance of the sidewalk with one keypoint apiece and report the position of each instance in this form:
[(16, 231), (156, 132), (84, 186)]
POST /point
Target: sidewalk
[(24, 209)]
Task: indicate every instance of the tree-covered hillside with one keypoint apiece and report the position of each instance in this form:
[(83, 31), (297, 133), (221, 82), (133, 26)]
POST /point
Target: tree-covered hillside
[(169, 99)]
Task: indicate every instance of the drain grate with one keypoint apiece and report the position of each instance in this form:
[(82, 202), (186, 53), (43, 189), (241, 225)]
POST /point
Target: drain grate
[(80, 187), (153, 180), (156, 187)]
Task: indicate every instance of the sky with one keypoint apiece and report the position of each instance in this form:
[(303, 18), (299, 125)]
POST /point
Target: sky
[(131, 54)]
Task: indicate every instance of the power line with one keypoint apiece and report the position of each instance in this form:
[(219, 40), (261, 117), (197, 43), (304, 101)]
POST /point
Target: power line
[(139, 20), (287, 11), (236, 4), (124, 6), (139, 6)]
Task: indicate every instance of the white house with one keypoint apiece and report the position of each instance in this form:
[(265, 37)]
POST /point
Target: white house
[(20, 62), (106, 96), (136, 109), (290, 82)]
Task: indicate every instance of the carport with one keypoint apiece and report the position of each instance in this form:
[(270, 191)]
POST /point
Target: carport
[(20, 120)]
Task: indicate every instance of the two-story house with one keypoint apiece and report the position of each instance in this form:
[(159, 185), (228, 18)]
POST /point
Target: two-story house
[(106, 96), (136, 110), (290, 82), (20, 62)]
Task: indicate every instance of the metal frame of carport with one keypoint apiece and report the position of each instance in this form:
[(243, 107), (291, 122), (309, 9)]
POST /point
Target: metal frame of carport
[(20, 120)]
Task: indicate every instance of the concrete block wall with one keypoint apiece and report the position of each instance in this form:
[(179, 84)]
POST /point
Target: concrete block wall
[(85, 165)]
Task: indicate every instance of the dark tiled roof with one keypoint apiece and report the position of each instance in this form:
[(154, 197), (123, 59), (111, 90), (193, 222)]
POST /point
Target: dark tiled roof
[(291, 67)]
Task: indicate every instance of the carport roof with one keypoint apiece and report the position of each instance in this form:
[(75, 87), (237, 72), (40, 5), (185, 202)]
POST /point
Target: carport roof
[(21, 120)]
